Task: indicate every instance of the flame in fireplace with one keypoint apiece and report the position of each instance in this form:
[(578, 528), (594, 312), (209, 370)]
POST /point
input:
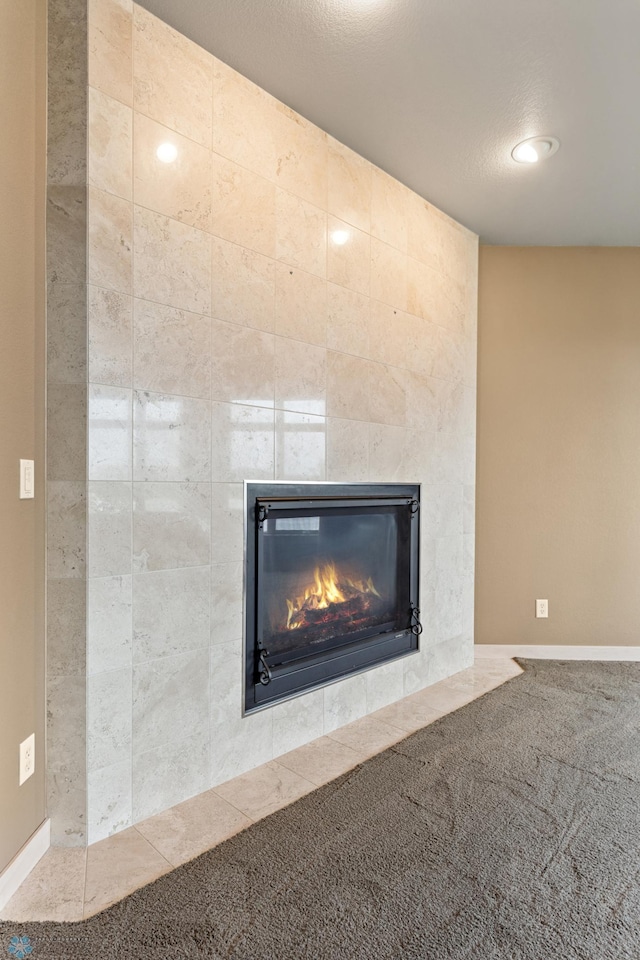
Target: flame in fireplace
[(327, 588)]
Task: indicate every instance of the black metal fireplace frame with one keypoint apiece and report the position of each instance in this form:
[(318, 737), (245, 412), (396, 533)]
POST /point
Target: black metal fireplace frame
[(267, 682)]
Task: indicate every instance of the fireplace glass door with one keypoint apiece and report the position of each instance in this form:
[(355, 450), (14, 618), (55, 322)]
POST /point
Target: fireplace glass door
[(335, 584)]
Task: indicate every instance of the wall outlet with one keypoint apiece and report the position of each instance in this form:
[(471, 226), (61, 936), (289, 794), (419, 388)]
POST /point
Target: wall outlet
[(27, 758), (542, 608)]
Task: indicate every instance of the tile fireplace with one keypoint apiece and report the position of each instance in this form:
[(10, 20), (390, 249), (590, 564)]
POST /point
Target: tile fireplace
[(332, 574)]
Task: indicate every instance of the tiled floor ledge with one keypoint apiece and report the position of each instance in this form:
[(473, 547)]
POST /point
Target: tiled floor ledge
[(70, 884)]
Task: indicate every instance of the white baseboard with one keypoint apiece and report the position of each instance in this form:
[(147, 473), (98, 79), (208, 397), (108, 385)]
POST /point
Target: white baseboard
[(24, 862), (497, 651)]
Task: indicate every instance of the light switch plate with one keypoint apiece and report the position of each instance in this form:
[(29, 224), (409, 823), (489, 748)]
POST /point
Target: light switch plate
[(27, 470)]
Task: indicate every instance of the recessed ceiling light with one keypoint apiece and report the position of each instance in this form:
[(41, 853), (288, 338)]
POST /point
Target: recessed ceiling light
[(167, 152), (534, 149)]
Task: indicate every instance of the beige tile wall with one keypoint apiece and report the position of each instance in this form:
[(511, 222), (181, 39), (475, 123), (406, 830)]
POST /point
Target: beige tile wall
[(268, 305)]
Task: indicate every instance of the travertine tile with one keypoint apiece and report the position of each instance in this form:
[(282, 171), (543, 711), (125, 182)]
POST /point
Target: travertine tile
[(384, 685), (389, 209), (422, 346), (451, 655), (171, 350), (349, 186), (67, 333), (109, 800), (66, 234), (348, 256), (66, 527), (171, 438), (110, 337), (389, 335), (297, 721), (347, 450), (66, 759), (408, 715), (421, 392), (110, 144), (110, 430), (424, 287), (110, 241), (469, 509), (388, 274), (109, 529), (108, 718), (345, 397), (450, 355), (192, 827), (388, 403), (227, 513), (161, 712), (301, 157), (172, 78), (367, 736), (119, 865), (243, 207), (301, 234), (239, 105), (171, 610), (171, 525), (169, 774), (386, 450), (344, 702), (67, 431), (418, 672), (242, 442), (66, 628), (423, 241), (301, 305), (301, 376), (321, 760), (444, 697), (226, 602), (109, 604), (238, 744), (242, 286), (227, 684), (181, 188), (172, 263), (264, 790), (347, 321), (300, 446), (110, 47), (242, 365), (449, 587), (67, 110), (53, 891)]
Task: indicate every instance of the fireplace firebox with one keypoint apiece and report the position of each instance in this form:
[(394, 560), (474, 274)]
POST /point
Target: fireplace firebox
[(331, 583)]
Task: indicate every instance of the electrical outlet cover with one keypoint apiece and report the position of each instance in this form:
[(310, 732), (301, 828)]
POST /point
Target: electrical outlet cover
[(27, 758)]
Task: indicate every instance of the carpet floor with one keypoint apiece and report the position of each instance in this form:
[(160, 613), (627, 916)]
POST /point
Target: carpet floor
[(508, 830)]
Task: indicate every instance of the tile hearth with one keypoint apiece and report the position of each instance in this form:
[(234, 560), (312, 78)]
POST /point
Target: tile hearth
[(69, 884)]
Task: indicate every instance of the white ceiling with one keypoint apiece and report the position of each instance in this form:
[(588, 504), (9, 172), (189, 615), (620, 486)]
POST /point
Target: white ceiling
[(437, 92)]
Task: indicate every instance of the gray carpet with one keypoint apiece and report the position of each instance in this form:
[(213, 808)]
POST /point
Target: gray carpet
[(509, 830)]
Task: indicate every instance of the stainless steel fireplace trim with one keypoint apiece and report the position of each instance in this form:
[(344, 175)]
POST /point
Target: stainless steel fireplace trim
[(245, 524)]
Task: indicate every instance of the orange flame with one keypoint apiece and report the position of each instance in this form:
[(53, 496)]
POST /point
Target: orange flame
[(326, 589)]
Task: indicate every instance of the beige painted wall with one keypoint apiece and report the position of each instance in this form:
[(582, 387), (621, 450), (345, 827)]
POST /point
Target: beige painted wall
[(22, 809), (558, 481)]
